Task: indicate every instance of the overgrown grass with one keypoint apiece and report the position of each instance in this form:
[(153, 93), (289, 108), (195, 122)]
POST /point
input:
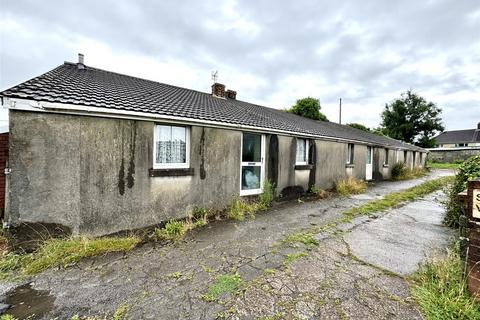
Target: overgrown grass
[(441, 165), (441, 292), (241, 208), (173, 230), (223, 284), (401, 172), (397, 198), (62, 252), (350, 185)]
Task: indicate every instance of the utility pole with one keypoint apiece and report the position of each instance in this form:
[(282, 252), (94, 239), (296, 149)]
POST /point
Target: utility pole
[(340, 113)]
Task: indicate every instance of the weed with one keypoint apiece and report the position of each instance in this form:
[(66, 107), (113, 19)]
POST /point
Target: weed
[(266, 198), (223, 284), (269, 271), (441, 292), (7, 317), (122, 312), (401, 172), (239, 209), (61, 252), (300, 237), (291, 257), (175, 275), (397, 198), (173, 230), (319, 193), (350, 185)]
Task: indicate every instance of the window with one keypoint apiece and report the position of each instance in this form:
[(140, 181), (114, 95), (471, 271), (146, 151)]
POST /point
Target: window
[(386, 156), (302, 151), (405, 156), (461, 145), (350, 153), (171, 147)]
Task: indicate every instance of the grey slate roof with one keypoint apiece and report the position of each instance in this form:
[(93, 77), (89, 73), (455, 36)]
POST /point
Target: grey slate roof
[(104, 89), (458, 136)]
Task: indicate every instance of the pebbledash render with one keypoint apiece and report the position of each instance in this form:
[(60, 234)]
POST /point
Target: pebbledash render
[(98, 152)]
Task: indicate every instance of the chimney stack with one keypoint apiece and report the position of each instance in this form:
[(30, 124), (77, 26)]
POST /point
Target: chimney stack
[(80, 63), (231, 94), (218, 90)]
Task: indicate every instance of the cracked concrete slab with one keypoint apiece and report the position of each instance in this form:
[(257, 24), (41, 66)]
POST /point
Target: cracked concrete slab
[(327, 283), (400, 240)]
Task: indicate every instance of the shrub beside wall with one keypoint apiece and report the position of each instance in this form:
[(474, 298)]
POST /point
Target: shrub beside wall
[(469, 170)]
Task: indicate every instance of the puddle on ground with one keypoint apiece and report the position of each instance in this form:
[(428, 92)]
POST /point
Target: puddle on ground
[(26, 302)]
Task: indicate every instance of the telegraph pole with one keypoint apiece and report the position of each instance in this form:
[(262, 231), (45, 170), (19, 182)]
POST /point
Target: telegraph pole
[(340, 113)]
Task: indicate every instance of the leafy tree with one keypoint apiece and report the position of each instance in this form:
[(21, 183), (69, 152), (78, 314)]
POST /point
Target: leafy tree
[(412, 119), (309, 108), (359, 126)]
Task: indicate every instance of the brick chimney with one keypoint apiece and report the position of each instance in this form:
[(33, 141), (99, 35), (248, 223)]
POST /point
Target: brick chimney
[(231, 94), (218, 90), (80, 63)]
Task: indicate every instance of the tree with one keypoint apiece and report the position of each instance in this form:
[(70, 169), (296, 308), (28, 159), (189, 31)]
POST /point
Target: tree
[(412, 119), (359, 126), (309, 108)]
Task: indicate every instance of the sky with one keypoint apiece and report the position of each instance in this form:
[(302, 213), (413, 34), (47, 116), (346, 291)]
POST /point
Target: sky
[(271, 52)]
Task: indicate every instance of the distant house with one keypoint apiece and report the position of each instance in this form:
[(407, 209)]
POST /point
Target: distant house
[(458, 138), (99, 152)]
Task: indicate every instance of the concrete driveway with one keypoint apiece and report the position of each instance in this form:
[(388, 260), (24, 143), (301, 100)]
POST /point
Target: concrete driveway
[(354, 272)]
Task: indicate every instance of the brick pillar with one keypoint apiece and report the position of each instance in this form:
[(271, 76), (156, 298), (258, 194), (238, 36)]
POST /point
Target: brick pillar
[(473, 252)]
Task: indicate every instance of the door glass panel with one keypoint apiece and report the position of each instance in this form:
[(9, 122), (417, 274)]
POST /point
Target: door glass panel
[(250, 177), (252, 148)]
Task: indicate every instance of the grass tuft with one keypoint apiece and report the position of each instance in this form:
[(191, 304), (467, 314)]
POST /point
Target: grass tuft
[(397, 198), (291, 257), (300, 237), (239, 209), (350, 185), (441, 292), (401, 172), (223, 284), (173, 230), (61, 252)]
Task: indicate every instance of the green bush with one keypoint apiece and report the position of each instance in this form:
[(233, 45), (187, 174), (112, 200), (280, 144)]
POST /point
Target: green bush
[(469, 170), (398, 170)]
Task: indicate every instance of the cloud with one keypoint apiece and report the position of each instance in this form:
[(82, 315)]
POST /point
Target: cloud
[(271, 52)]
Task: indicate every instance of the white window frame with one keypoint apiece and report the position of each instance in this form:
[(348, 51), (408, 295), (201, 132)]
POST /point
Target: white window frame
[(350, 153), (306, 152), (250, 192), (183, 165)]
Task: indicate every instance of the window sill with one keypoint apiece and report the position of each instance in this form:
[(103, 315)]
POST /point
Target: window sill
[(349, 165), (177, 172), (304, 166)]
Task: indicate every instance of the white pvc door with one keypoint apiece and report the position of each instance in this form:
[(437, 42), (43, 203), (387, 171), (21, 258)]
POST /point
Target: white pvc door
[(252, 167), (369, 167)]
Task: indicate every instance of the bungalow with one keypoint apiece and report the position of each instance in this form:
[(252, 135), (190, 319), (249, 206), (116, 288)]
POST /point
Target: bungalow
[(99, 152)]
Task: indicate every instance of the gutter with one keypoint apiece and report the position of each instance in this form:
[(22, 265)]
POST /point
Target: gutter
[(73, 109)]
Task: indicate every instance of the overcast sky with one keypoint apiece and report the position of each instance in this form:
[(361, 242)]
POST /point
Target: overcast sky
[(270, 52)]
